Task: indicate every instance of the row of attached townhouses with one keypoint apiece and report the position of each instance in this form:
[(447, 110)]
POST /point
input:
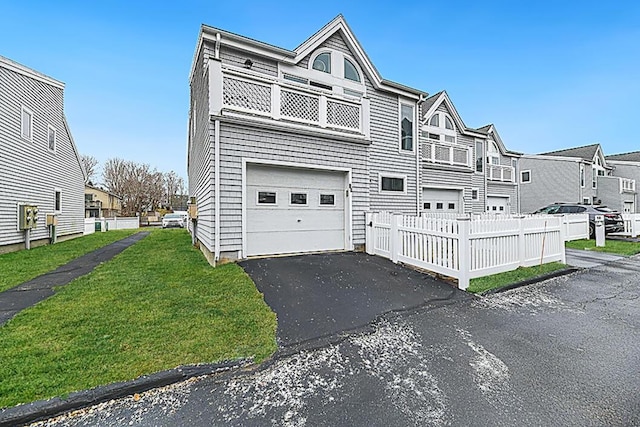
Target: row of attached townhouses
[(288, 149), (39, 164), (580, 175)]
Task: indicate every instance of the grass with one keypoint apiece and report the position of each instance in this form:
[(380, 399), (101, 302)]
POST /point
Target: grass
[(155, 306), (612, 246), (20, 266), (499, 280)]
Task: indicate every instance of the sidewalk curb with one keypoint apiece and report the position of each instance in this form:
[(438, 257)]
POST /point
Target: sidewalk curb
[(536, 279), (43, 409)]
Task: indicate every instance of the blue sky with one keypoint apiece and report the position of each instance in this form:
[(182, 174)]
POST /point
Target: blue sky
[(548, 74)]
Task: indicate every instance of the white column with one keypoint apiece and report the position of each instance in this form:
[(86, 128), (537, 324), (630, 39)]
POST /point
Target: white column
[(215, 86), (275, 101), (464, 252)]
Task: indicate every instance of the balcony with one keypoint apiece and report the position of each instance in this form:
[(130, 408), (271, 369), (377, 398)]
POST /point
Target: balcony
[(500, 173), (446, 153), (627, 185), (248, 93)]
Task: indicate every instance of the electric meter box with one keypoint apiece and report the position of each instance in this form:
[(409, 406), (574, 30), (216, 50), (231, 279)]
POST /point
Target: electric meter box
[(52, 220), (27, 217)]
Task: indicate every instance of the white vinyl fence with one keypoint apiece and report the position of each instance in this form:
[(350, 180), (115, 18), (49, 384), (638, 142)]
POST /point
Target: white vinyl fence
[(106, 224), (466, 248), (631, 224)]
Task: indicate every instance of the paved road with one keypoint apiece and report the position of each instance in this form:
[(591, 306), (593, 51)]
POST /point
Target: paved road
[(589, 259), (565, 352)]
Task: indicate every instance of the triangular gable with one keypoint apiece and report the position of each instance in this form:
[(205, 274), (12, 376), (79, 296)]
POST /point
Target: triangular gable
[(491, 130), (599, 154), (443, 98), (339, 25)]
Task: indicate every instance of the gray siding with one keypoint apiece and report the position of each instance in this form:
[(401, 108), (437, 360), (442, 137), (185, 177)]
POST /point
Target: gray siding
[(29, 172), (552, 180), (238, 58), (200, 154), (610, 195), (628, 170), (243, 141), (502, 189)]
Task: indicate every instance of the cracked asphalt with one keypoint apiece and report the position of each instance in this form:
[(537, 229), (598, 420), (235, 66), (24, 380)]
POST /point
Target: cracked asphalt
[(563, 352)]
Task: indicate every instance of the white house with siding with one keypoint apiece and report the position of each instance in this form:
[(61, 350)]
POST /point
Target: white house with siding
[(39, 162), (287, 149)]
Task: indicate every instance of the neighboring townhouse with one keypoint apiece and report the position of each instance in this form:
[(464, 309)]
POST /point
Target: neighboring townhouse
[(288, 149), (627, 167), (99, 203), (575, 175), (39, 165), (464, 170)]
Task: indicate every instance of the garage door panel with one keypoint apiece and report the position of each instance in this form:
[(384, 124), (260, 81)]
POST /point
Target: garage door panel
[(276, 225), (275, 221)]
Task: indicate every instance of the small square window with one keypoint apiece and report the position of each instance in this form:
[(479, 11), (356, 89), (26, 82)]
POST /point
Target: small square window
[(439, 205), (525, 176), (493, 208), (452, 206), (392, 184), (427, 205), (474, 194), (327, 199), (266, 198), (298, 198), (502, 208)]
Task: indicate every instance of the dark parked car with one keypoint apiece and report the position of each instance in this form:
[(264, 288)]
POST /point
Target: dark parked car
[(612, 220)]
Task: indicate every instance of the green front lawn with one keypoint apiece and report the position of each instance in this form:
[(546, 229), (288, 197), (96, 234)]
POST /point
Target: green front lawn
[(499, 280), (613, 246), (155, 306), (20, 266)]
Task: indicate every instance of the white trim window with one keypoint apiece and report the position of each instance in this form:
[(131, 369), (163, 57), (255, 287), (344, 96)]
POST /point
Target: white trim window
[(322, 62), (407, 128), (392, 184), (57, 201), (493, 154), (440, 127), (525, 176), (26, 123), (52, 135), (479, 156), (475, 194), (582, 176)]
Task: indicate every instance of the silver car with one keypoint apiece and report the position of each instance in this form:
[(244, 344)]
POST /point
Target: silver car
[(172, 220)]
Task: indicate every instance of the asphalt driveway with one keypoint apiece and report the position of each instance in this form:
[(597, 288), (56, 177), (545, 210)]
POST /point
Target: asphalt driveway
[(320, 295)]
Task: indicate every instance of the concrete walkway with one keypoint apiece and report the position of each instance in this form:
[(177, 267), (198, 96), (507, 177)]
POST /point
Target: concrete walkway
[(35, 290), (589, 259)]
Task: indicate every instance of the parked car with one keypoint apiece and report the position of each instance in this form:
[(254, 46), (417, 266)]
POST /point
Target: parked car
[(613, 222), (172, 220)]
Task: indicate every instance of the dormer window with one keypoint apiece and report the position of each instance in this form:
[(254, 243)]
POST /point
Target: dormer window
[(323, 62), (440, 127), (435, 120), (350, 71), (448, 124)]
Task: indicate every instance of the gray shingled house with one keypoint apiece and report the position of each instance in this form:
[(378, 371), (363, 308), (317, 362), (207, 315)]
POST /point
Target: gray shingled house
[(39, 165), (627, 165), (287, 149), (574, 175)]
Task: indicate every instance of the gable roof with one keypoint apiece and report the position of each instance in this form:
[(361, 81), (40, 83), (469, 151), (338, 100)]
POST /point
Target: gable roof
[(490, 129), (586, 152), (633, 156), (29, 72), (431, 104), (337, 25)]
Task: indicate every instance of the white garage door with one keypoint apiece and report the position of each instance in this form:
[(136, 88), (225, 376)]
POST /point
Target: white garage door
[(440, 200), (293, 210), (497, 204)]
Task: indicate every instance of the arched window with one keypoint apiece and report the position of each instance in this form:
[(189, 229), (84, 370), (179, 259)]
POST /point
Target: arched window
[(323, 62), (435, 120), (447, 123), (350, 71)]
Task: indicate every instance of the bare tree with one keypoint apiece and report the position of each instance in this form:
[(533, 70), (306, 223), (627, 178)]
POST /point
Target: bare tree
[(89, 163), (141, 188), (175, 188)]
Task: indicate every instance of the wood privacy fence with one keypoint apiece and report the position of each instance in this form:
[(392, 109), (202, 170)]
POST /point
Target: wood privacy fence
[(631, 224), (466, 248)]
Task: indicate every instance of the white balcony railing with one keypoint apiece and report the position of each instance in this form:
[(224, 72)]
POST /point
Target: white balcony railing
[(279, 100), (446, 153), (627, 185), (500, 173)]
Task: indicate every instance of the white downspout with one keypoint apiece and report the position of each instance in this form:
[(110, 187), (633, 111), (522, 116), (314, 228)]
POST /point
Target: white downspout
[(216, 178), (418, 146)]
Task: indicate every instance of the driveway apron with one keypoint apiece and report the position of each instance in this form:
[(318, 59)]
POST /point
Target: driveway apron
[(319, 295), (42, 287)]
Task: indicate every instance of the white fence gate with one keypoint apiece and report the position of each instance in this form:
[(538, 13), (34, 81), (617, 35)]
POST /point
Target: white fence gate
[(89, 226), (122, 223), (466, 248), (631, 224)]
